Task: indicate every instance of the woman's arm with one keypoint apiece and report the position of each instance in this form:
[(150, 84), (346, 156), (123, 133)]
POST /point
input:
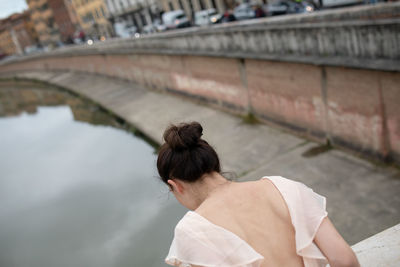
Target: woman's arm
[(334, 247)]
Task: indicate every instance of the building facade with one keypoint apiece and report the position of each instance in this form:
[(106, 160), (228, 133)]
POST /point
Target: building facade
[(92, 15), (65, 18), (192, 6), (137, 13), (55, 21), (44, 23), (23, 28), (17, 33), (7, 45)]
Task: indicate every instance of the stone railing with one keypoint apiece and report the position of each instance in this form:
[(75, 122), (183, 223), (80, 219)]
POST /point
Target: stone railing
[(363, 37)]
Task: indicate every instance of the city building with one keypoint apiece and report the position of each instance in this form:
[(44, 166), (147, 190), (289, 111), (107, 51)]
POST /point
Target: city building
[(55, 21), (43, 19), (7, 46), (92, 15), (192, 6), (17, 33), (136, 13), (65, 18), (24, 30)]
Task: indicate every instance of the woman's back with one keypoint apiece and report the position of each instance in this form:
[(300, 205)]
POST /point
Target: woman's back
[(257, 213), (271, 222)]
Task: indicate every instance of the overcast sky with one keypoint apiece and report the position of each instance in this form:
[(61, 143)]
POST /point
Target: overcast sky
[(8, 7)]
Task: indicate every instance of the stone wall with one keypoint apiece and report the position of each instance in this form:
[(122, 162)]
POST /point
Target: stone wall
[(337, 81)]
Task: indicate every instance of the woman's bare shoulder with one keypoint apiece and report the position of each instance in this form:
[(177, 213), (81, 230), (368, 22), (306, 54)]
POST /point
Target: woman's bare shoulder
[(247, 198)]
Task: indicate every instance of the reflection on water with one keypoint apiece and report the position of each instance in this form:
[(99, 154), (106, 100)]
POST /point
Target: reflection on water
[(75, 191), (17, 101)]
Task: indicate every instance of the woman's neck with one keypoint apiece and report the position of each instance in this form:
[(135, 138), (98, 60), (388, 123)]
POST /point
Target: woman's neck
[(209, 185)]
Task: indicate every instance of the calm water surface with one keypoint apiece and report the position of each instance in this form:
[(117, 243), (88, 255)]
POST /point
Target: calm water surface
[(75, 188)]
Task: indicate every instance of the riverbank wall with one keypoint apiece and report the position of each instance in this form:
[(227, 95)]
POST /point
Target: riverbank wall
[(332, 76)]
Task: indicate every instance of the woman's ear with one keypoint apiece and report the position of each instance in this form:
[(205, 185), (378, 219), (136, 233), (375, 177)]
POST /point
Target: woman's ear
[(176, 186)]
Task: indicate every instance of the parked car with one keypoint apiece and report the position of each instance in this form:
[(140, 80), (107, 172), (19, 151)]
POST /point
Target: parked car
[(123, 30), (2, 55), (281, 7), (32, 49), (161, 27), (149, 28), (228, 17), (207, 17), (175, 19), (336, 3), (276, 8), (154, 27), (244, 11)]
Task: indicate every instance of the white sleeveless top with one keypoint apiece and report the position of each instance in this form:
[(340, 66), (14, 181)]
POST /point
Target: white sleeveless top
[(199, 242)]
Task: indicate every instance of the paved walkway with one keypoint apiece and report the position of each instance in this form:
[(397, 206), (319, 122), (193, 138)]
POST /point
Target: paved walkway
[(363, 199)]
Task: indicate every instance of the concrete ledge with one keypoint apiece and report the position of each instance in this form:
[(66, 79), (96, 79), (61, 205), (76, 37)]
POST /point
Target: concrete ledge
[(382, 249), (339, 61)]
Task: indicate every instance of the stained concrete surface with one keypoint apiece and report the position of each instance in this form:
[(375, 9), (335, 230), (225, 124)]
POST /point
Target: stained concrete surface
[(362, 198), (381, 249)]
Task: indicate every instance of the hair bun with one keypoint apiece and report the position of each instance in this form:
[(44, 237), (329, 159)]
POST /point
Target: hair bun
[(183, 136)]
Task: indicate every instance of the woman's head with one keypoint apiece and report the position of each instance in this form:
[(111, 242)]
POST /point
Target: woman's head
[(184, 155)]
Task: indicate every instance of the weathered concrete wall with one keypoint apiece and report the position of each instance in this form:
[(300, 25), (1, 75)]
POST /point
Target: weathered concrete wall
[(353, 108), (337, 81)]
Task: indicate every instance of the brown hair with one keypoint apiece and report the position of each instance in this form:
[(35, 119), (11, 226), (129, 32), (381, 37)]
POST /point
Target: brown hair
[(184, 155)]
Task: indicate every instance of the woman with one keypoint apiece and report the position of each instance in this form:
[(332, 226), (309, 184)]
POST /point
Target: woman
[(270, 222)]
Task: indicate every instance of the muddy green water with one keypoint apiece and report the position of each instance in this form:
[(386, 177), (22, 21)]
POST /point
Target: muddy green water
[(76, 188)]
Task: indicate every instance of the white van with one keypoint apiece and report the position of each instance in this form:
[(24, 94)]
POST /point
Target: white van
[(175, 19)]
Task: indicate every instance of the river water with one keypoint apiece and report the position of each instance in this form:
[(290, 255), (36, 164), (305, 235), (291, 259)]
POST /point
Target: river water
[(76, 187)]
